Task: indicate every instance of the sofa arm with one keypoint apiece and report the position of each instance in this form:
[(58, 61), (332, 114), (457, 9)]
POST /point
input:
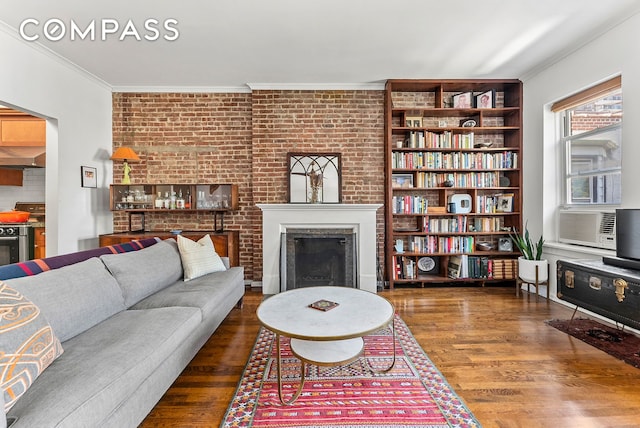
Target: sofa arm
[(3, 418)]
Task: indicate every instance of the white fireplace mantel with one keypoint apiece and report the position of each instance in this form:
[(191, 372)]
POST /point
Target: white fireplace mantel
[(278, 218)]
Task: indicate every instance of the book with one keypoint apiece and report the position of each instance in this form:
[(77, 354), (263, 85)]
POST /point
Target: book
[(323, 305), (453, 267), (464, 266)]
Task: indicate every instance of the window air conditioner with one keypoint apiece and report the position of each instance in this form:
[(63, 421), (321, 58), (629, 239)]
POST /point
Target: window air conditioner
[(590, 228)]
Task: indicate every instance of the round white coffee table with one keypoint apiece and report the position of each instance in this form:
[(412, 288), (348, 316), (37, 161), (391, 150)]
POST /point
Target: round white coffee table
[(325, 337)]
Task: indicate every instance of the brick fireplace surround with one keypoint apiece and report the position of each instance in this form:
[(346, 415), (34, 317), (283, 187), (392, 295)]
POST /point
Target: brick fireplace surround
[(243, 138)]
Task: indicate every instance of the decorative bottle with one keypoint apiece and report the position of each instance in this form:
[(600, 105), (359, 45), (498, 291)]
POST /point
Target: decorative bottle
[(159, 201), (187, 201), (180, 200)]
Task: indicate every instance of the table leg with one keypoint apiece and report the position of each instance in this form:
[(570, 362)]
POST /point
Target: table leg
[(393, 363), (302, 376)]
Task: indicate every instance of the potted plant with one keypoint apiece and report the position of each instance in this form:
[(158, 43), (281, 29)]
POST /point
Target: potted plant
[(531, 258)]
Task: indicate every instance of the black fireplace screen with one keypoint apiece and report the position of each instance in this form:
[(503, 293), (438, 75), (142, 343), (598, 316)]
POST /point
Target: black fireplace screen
[(318, 257)]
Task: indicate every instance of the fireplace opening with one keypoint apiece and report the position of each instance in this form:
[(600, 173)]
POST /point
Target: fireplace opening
[(318, 257)]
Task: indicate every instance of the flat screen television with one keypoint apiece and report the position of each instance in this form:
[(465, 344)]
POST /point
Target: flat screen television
[(627, 239)]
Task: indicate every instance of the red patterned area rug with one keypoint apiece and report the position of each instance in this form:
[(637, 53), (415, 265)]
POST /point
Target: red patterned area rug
[(620, 344), (412, 394)]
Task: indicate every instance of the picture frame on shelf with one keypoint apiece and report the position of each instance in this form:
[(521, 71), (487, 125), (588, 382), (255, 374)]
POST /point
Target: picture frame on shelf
[(462, 100), (413, 121), (505, 244), (486, 99), (505, 204), (88, 177), (470, 122), (402, 181), (428, 265)]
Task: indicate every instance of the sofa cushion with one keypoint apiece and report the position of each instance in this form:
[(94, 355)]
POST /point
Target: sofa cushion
[(206, 292), (198, 258), (28, 344), (74, 298), (104, 366), (143, 272)]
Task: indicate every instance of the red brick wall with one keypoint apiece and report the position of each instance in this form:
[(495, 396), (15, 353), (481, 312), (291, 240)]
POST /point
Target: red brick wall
[(244, 139), (587, 122)]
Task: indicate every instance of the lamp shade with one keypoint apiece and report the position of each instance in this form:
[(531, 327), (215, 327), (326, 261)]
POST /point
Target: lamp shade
[(125, 154)]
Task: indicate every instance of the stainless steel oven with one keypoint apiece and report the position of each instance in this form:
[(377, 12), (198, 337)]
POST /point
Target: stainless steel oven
[(16, 243)]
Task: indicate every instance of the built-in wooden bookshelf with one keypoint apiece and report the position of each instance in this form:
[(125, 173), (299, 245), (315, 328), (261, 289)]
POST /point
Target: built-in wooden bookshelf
[(453, 180)]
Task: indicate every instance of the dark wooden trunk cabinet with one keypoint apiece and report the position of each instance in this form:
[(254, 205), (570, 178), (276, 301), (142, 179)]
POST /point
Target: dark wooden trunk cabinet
[(607, 290)]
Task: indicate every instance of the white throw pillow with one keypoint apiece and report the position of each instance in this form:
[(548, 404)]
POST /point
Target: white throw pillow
[(199, 258)]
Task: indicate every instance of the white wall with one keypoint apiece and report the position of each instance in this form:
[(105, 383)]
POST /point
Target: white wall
[(610, 54), (78, 113)]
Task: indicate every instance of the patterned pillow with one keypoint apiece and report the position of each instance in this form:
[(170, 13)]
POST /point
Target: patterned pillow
[(198, 258), (28, 344)]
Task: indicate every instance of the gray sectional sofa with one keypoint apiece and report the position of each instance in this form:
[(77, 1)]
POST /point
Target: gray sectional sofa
[(129, 325)]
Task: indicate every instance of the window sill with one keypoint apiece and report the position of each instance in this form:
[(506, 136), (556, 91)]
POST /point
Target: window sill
[(575, 251)]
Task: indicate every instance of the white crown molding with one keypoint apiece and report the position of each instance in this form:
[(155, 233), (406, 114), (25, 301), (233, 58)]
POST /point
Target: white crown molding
[(7, 29), (184, 89), (250, 87), (372, 86)]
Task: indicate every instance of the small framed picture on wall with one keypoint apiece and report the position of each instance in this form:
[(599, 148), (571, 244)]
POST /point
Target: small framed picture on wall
[(88, 176)]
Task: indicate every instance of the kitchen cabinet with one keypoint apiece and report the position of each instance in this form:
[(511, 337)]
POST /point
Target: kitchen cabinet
[(22, 130), (10, 177), (40, 243)]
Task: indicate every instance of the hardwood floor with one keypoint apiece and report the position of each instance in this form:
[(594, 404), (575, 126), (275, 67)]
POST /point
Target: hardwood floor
[(495, 350)]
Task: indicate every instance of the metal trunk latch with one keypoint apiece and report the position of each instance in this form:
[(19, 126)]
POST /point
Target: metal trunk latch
[(620, 285), (569, 279)]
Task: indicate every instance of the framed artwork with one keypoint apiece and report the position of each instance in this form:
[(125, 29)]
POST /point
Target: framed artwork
[(314, 178), (402, 180), (428, 265), (462, 100), (413, 121), (505, 204), (88, 176), (486, 99)]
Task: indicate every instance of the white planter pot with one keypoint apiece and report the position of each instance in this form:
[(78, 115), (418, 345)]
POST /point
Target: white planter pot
[(527, 270)]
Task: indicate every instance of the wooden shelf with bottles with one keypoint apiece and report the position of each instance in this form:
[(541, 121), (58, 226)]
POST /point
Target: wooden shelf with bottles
[(139, 199), (437, 155)]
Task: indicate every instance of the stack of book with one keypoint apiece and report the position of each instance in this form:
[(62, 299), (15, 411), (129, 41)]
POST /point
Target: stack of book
[(464, 266)]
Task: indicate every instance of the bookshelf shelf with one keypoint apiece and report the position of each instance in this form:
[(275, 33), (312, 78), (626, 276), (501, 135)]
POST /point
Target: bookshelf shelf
[(453, 179)]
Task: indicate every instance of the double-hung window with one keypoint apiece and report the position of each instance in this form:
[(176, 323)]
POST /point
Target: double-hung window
[(591, 141)]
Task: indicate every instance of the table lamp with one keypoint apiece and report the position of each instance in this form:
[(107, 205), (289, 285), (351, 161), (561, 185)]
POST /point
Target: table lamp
[(127, 155)]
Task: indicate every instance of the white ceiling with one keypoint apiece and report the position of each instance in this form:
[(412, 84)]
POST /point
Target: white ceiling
[(332, 43)]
